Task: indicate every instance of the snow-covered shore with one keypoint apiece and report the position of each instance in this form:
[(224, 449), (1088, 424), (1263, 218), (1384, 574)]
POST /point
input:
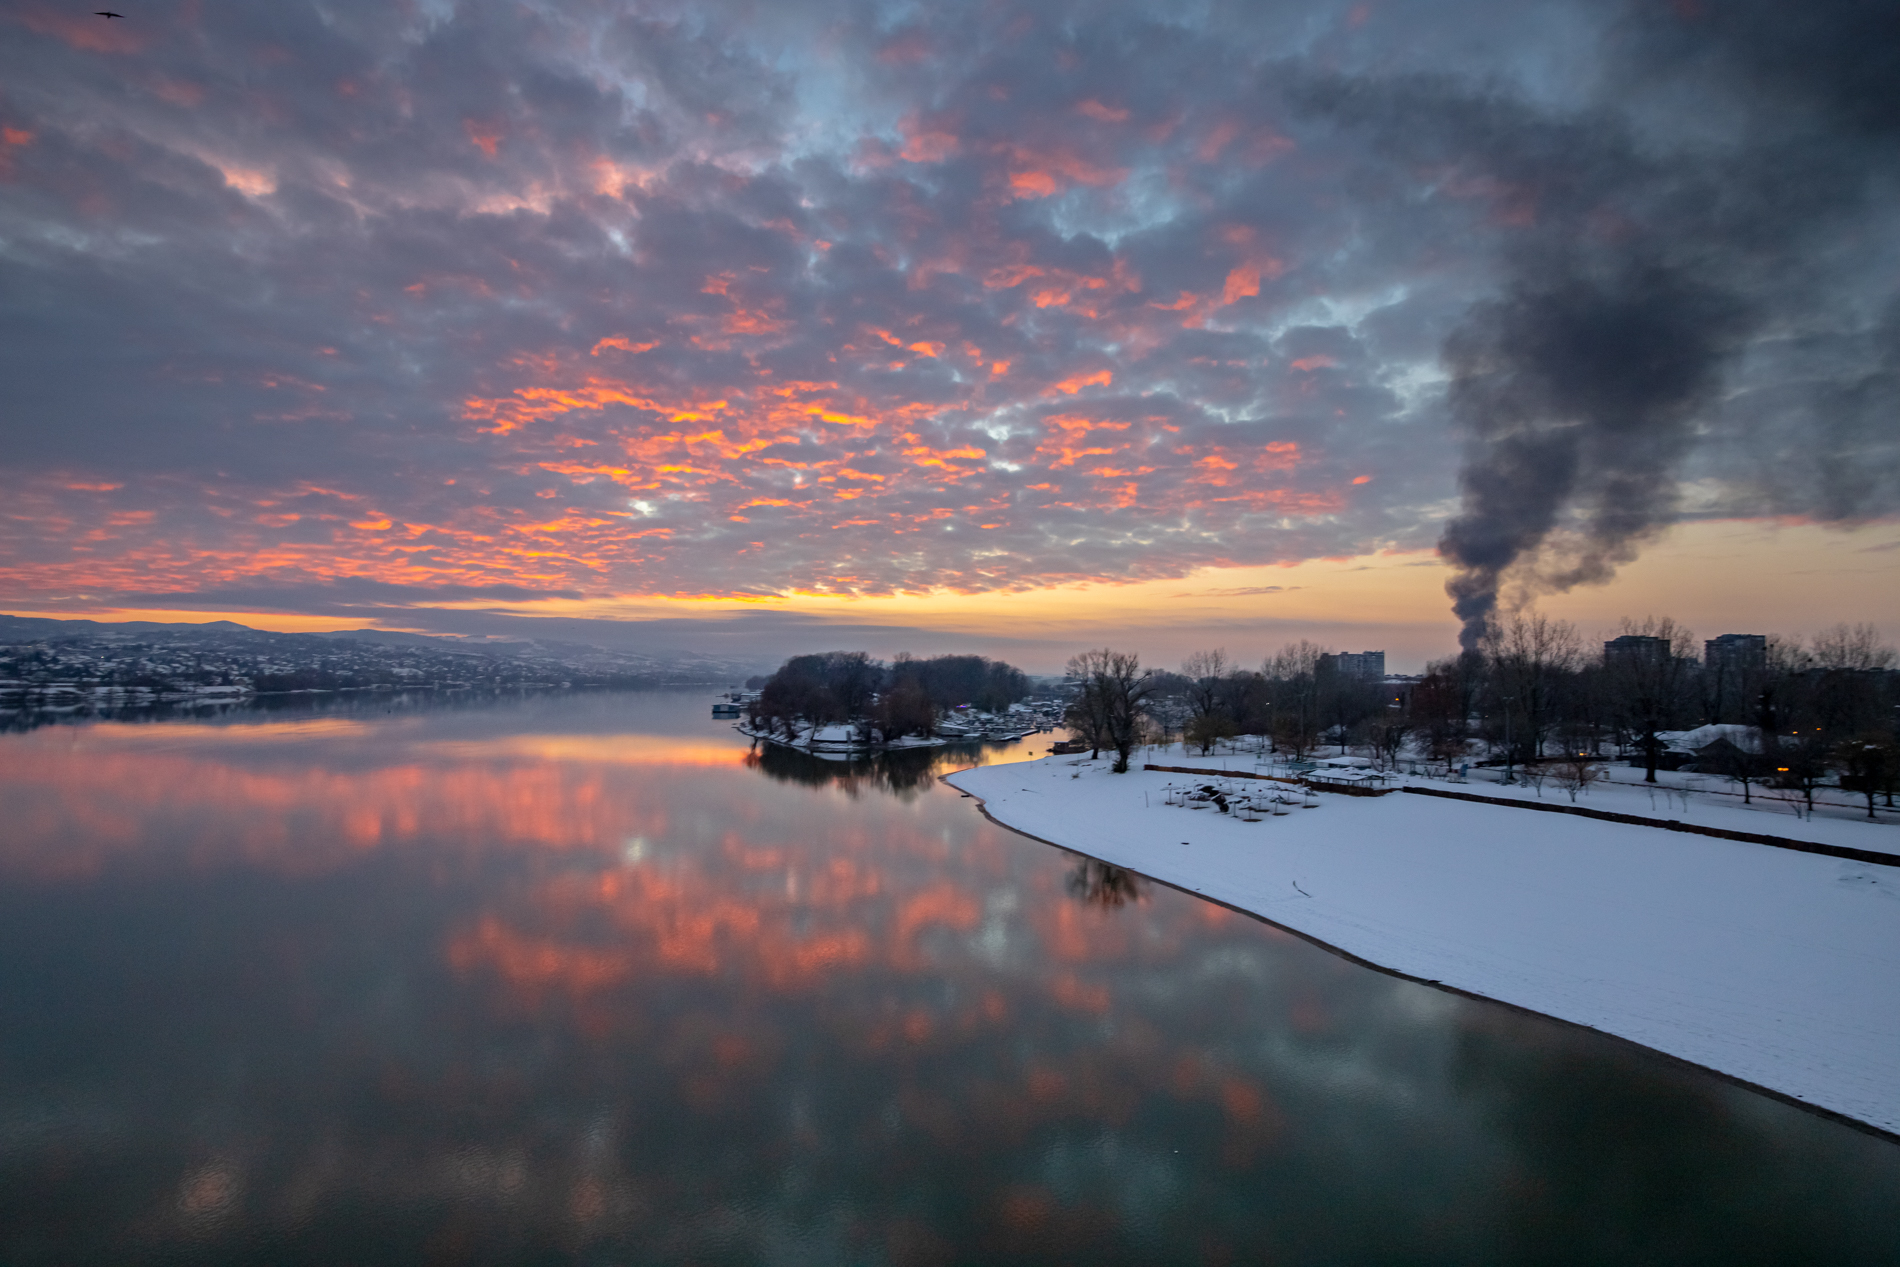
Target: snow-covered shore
[(1777, 968)]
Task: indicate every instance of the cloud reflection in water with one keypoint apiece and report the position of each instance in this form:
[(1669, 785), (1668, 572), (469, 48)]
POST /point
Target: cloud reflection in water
[(591, 978)]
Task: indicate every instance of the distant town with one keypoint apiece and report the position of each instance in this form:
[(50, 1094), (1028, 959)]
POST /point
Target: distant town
[(78, 666)]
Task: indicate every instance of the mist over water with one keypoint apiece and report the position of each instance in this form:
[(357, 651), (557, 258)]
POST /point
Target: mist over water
[(585, 979)]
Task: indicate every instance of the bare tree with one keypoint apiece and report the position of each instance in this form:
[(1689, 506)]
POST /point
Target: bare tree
[(1388, 737), (1531, 657), (1345, 701), (1649, 684), (1742, 762), (1856, 648), (1292, 675), (1442, 705), (1087, 714), (1209, 729), (1803, 766), (1125, 690), (1206, 673), (1249, 701), (1577, 771), (904, 709), (1776, 693), (1844, 697), (1870, 765)]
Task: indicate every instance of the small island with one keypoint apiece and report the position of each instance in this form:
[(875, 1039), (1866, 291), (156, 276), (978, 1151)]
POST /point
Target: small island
[(844, 703)]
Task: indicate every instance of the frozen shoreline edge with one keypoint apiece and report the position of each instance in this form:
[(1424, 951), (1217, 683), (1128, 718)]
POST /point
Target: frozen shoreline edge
[(1733, 1079)]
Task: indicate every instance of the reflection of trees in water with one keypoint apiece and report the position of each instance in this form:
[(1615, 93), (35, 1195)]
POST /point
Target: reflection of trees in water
[(903, 773), (1096, 883)]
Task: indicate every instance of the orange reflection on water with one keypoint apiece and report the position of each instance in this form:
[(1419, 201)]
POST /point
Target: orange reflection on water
[(696, 915), (628, 749), (77, 800), (195, 733)]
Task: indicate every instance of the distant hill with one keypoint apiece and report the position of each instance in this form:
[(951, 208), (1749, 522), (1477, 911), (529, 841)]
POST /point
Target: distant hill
[(36, 628), (42, 649)]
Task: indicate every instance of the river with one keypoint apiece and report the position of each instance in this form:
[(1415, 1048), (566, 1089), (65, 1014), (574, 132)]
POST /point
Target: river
[(582, 978)]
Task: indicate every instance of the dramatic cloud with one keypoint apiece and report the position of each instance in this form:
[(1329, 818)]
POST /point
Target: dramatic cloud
[(484, 302)]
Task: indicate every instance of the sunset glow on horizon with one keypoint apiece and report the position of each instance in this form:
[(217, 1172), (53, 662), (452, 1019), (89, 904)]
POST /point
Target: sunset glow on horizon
[(1705, 573)]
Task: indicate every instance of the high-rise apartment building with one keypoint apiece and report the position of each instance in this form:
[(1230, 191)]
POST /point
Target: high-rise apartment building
[(1367, 665), (1731, 668), (1635, 648), (1735, 653)]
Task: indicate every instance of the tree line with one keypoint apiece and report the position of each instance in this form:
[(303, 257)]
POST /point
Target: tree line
[(1804, 712), (1295, 698), (905, 697)]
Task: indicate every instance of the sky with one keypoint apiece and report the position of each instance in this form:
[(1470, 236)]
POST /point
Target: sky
[(1011, 327)]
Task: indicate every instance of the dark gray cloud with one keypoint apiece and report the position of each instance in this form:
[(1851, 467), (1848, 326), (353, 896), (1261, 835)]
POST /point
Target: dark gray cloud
[(498, 300), (1644, 253)]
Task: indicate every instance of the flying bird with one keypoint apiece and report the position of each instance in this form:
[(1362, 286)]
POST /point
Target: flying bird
[(101, 13)]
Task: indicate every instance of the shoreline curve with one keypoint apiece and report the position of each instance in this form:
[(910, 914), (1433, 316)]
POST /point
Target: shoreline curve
[(954, 779)]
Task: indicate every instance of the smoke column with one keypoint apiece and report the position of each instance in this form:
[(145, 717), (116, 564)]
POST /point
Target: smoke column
[(1654, 260), (1578, 395)]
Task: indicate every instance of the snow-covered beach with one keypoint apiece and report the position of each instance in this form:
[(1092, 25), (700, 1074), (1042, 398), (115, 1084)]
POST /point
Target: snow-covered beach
[(1777, 968)]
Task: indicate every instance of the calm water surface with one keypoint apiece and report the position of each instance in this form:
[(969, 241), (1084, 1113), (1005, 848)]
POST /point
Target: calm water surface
[(581, 979)]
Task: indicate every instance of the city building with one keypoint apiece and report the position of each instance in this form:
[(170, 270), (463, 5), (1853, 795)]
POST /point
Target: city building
[(1735, 654), (1367, 665), (1730, 664), (1635, 649)]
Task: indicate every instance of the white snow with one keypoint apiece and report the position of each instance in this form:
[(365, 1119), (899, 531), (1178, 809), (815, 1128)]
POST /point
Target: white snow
[(1747, 738), (1778, 968), (1705, 802)]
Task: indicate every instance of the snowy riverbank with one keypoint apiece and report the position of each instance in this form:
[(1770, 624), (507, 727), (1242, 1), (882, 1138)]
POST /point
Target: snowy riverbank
[(1780, 969)]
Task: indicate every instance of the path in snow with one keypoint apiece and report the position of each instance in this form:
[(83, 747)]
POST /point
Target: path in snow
[(1777, 968)]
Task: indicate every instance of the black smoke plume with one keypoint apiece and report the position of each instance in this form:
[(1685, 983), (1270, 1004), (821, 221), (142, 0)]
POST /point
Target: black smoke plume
[(1662, 252), (1578, 394)]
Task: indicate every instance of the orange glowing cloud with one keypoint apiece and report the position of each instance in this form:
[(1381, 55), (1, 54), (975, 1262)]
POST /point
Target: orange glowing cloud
[(486, 137), (1033, 184), (622, 342), (1070, 386), (1043, 173), (925, 143), (1243, 282), (612, 178)]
